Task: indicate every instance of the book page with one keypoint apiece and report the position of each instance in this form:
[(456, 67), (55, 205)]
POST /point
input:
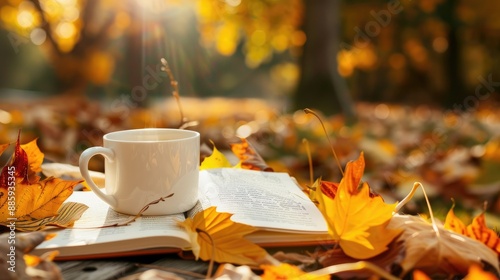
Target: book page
[(269, 200), (86, 230)]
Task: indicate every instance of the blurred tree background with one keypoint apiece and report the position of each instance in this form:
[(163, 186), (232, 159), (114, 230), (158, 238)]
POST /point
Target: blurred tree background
[(321, 54)]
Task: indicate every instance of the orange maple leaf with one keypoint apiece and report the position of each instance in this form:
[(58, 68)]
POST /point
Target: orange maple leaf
[(356, 219), (477, 230), (22, 195), (453, 223), (35, 160), (214, 236)]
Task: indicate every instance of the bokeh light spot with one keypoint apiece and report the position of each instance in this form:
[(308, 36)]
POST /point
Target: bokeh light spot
[(25, 19), (5, 117), (38, 36), (244, 131), (65, 30), (233, 3)]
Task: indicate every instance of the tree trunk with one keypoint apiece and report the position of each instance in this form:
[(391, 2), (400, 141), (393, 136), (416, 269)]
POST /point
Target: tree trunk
[(320, 86)]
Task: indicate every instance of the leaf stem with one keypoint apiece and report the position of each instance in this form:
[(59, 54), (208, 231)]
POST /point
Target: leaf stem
[(309, 159), (309, 111), (212, 259), (407, 198)]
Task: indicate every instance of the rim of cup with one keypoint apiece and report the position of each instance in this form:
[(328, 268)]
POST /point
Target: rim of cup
[(148, 135)]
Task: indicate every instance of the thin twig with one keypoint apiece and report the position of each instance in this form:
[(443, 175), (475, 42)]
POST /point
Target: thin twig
[(309, 158), (133, 218), (309, 111), (175, 88)]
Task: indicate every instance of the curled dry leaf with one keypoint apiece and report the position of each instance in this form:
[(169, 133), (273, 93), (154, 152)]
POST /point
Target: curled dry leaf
[(248, 156), (15, 263), (229, 271), (66, 215), (435, 250)]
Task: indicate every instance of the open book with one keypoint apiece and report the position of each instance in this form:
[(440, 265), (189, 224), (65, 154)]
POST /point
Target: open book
[(270, 201)]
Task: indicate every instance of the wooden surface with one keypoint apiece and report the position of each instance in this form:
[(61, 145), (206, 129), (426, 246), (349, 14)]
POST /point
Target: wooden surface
[(129, 268)]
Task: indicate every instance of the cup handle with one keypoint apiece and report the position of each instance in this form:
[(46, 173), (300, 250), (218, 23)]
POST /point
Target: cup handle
[(84, 169)]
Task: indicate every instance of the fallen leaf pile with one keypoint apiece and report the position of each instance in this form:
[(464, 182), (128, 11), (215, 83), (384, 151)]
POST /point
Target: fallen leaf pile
[(385, 153), (371, 237), (454, 155)]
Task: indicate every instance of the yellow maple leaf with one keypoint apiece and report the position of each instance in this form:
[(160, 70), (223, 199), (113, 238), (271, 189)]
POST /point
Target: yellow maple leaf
[(217, 160), (214, 236), (36, 201), (356, 219)]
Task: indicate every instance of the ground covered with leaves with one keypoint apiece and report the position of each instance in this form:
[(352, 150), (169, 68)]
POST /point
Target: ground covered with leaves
[(454, 155), (394, 150)]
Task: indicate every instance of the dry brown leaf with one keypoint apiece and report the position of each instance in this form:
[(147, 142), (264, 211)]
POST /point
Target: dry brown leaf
[(42, 267), (435, 250), (248, 156)]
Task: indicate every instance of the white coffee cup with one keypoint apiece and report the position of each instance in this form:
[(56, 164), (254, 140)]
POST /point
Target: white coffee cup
[(143, 165)]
